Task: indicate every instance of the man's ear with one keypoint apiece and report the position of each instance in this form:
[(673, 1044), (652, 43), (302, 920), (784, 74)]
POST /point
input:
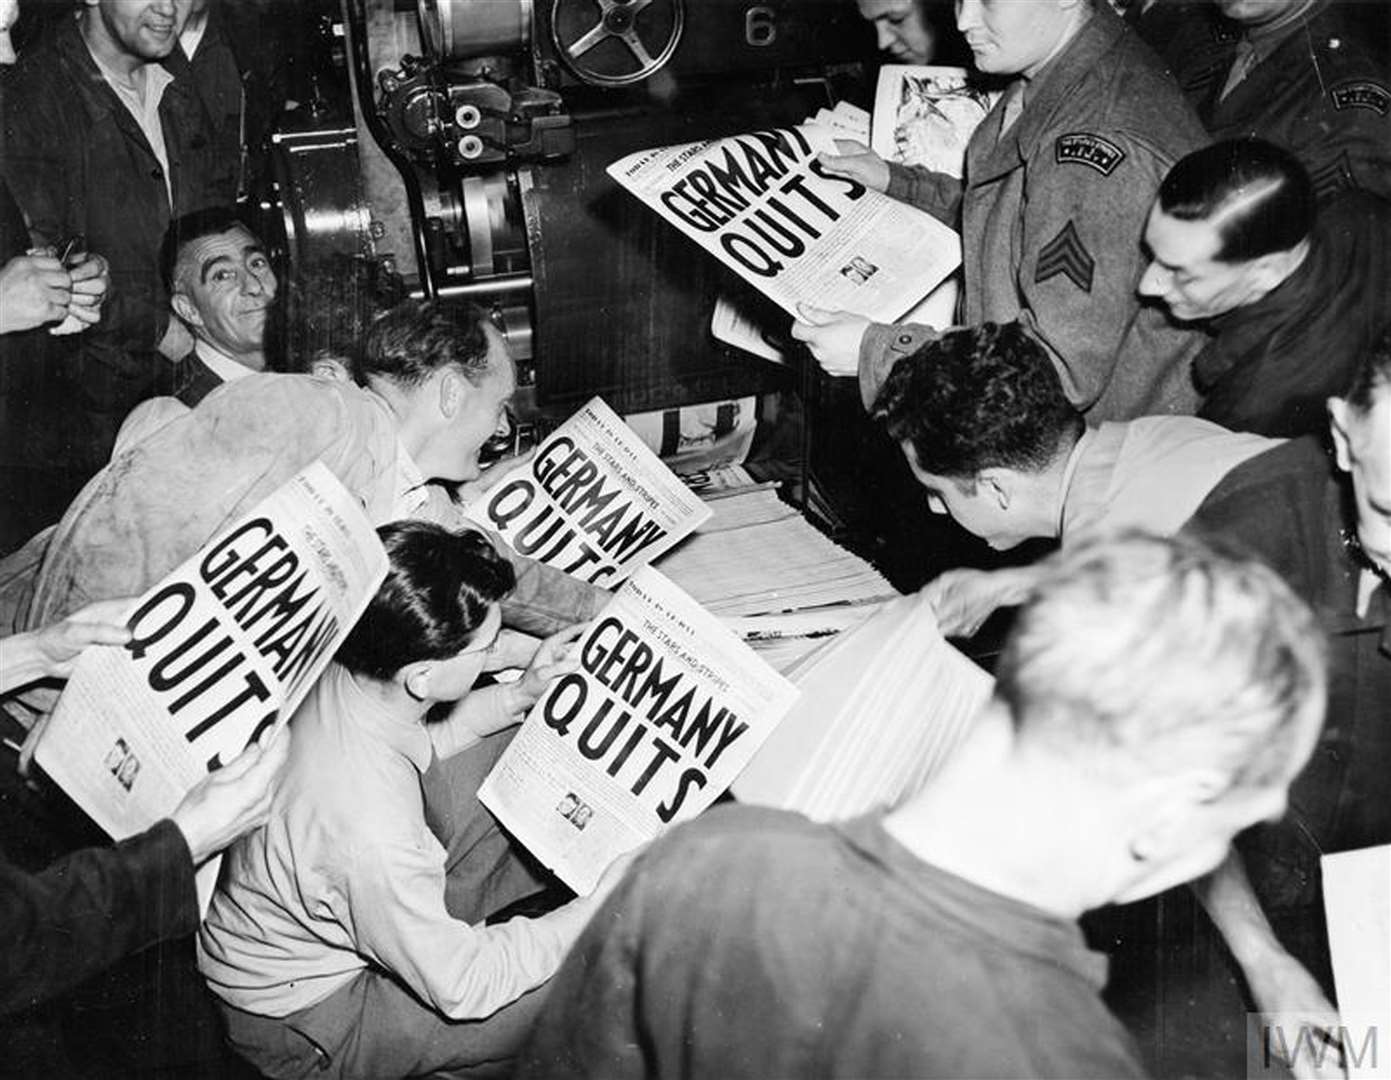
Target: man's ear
[(1338, 410), (415, 680), (1162, 809), (451, 392), (185, 309), (998, 485), (1270, 271)]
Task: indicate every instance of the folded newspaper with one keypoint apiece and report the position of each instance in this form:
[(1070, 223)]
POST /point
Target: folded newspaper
[(667, 707), (593, 501), (221, 650), (762, 204), (927, 115)]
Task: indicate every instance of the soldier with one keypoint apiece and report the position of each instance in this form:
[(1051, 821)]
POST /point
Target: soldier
[(1296, 73), (1059, 178)]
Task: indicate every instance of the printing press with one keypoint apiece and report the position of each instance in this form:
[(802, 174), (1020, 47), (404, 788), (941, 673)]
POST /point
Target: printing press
[(460, 145)]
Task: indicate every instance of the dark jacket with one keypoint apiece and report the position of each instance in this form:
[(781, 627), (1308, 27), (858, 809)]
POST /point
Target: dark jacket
[(89, 909), (1322, 94), (1051, 218), (1290, 506), (78, 164), (239, 73), (191, 380), (1272, 364)]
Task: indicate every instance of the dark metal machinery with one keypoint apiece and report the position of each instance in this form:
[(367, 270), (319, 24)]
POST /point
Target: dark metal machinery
[(465, 151)]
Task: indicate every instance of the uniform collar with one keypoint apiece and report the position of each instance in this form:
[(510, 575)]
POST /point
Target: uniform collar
[(1266, 39), (1042, 95)]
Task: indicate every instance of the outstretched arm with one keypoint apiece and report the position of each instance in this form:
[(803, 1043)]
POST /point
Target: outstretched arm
[(1279, 983)]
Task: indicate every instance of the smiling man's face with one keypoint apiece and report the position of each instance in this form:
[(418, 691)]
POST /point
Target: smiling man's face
[(142, 29), (223, 289)]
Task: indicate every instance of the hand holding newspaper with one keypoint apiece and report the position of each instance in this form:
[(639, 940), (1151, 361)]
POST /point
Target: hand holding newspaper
[(593, 501), (221, 651), (762, 204), (667, 707)]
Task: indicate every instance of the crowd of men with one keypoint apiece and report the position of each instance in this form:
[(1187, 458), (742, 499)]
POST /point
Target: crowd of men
[(1172, 358)]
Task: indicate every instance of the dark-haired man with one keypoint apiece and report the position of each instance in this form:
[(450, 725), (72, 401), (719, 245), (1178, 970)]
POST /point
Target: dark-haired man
[(1059, 178), (1292, 297), (1298, 73), (901, 29), (985, 426), (222, 286), (1154, 698)]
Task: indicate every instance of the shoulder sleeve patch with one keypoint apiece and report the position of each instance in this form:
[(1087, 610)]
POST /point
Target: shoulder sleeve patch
[(1363, 94), (1083, 148), (1066, 254)]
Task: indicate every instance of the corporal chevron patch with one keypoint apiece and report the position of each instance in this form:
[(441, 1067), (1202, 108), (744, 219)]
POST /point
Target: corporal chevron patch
[(1066, 254), (1084, 148), (1363, 94)]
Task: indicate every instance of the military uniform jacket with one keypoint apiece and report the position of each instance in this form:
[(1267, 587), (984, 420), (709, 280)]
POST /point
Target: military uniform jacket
[(1321, 95), (1052, 215)]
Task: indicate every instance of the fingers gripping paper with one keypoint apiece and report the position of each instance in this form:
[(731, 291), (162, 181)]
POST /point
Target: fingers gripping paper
[(221, 650), (667, 707), (764, 206)]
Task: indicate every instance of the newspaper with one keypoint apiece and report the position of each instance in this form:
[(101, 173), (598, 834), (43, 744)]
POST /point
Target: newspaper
[(926, 116), (1357, 905), (593, 501), (846, 121), (762, 204), (695, 438), (884, 705), (666, 709), (221, 650)]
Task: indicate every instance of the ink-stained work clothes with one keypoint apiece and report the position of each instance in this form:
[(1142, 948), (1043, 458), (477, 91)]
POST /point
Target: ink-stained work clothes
[(171, 491), (89, 909), (1320, 93), (79, 165), (756, 943), (1271, 365), (1051, 216)]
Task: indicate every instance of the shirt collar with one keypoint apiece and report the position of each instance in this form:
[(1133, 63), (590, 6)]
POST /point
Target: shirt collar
[(410, 493), (1367, 582), (407, 737), (1069, 473), (150, 81), (1264, 40), (219, 363)]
